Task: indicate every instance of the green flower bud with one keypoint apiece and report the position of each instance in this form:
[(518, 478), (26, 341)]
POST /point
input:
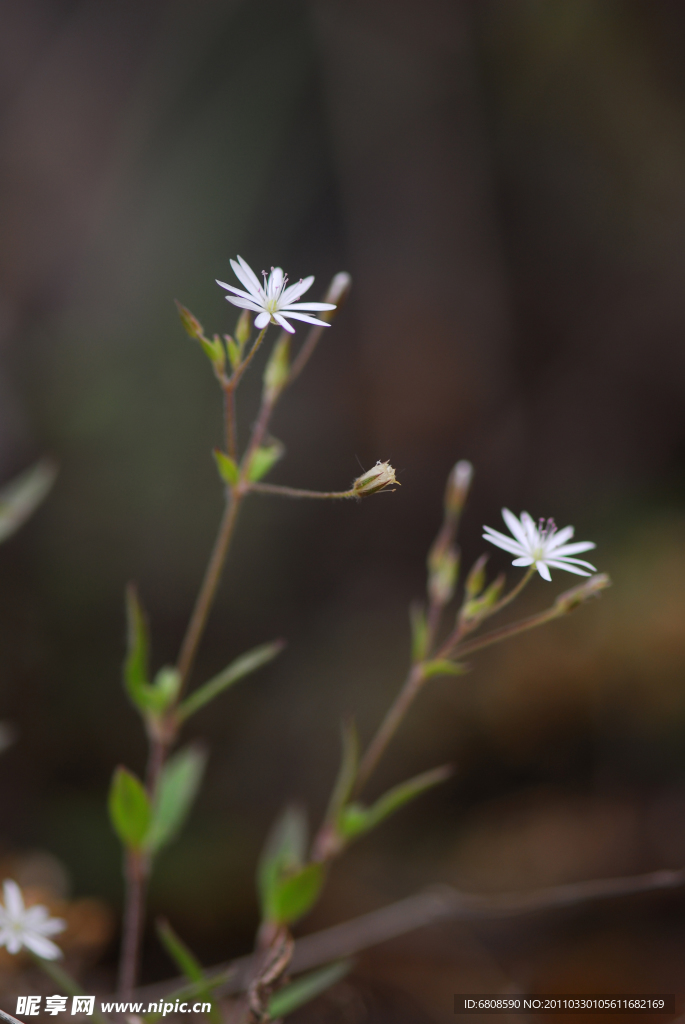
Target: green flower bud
[(456, 492), (380, 477)]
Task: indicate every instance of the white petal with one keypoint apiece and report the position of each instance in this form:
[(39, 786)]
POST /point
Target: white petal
[(526, 560), (307, 319), (41, 946), (568, 568), (262, 320), (247, 276), (576, 561), (502, 541), (313, 306), (12, 942), (275, 281), (561, 537), (284, 323), (532, 532), (238, 291), (14, 901), (573, 549), (293, 293), (515, 527), (544, 571), (244, 303)]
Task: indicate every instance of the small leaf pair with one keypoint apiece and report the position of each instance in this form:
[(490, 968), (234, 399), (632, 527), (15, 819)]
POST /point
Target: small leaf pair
[(145, 826), (288, 885), (261, 461)]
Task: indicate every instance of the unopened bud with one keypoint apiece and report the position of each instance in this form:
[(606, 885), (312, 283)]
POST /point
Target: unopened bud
[(569, 600), (475, 581), (443, 569), (380, 477), (243, 328), (277, 369), (190, 322), (478, 606), (458, 483), (338, 289)]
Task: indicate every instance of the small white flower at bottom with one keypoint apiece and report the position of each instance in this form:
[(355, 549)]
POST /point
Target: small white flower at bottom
[(271, 300), (540, 546), (22, 926)]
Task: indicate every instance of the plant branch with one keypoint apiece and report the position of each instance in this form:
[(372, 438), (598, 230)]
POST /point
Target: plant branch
[(389, 725), (442, 903), (338, 290), (296, 492), (136, 870)]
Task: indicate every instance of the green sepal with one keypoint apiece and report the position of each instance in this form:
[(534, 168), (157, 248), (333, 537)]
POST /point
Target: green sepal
[(347, 773), (475, 581), (443, 667), (178, 786), (21, 497), (235, 351), (187, 963), (357, 819), (129, 809), (263, 460), (190, 322), (165, 689), (243, 328), (277, 369), (214, 350), (239, 668), (480, 606), (293, 895), (306, 988), (228, 467), (419, 632)]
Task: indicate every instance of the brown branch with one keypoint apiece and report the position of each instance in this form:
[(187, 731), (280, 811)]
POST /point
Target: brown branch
[(442, 903)]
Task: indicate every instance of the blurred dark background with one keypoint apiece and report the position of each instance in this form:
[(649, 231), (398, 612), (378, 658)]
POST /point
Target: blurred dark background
[(505, 181)]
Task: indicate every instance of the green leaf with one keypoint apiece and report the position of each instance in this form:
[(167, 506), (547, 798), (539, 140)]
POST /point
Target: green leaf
[(443, 667), (129, 808), (284, 852), (187, 963), (293, 895), (357, 819), (277, 369), (347, 773), (178, 786), (263, 460), (235, 351), (419, 632), (239, 668), (306, 988), (22, 496), (136, 664), (228, 468)]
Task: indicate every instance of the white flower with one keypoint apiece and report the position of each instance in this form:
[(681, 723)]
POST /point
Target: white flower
[(272, 299), (27, 926), (540, 546)]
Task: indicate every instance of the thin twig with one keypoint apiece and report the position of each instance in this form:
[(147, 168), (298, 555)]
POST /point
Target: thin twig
[(389, 725), (296, 492), (134, 909), (338, 290), (442, 903)]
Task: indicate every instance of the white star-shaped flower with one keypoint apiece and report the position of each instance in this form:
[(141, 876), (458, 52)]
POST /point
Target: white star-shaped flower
[(540, 546), (27, 926), (273, 299)]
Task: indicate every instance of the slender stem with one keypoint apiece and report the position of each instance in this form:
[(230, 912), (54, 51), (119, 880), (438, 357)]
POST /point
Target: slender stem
[(497, 635), (136, 879), (198, 619), (296, 492), (389, 725), (513, 593), (338, 290), (230, 422), (248, 359), (65, 982), (464, 627)]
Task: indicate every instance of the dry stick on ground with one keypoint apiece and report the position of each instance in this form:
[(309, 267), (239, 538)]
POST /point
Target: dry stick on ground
[(442, 903)]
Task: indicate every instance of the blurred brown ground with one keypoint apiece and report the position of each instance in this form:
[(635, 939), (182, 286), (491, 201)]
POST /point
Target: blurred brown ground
[(505, 181)]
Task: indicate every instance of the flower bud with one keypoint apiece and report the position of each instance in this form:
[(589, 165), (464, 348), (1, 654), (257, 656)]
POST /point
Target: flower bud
[(381, 476), (475, 581), (443, 569), (277, 369), (243, 328), (458, 483)]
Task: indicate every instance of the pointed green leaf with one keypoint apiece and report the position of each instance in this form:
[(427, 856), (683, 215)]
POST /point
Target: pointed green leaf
[(293, 895), (237, 670), (264, 459), (284, 852), (357, 819), (347, 773), (136, 664), (443, 667), (228, 469), (178, 786), (187, 963), (235, 351), (306, 988), (22, 496), (129, 808)]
